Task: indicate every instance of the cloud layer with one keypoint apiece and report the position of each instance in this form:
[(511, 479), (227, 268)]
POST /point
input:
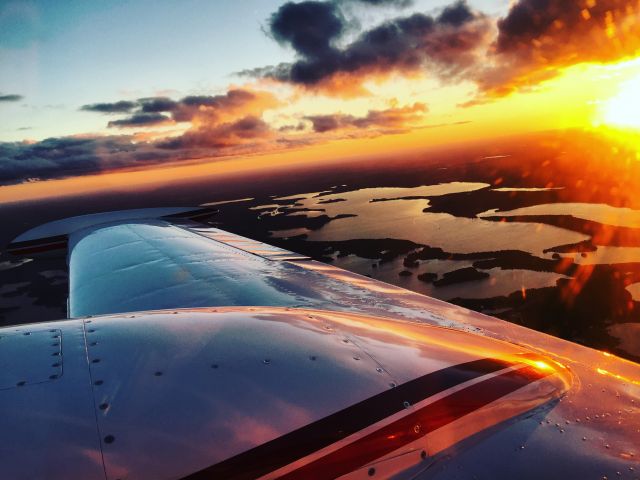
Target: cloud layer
[(11, 97), (533, 42), (333, 55), (397, 119), (153, 111), (538, 38), (69, 156), (218, 125), (447, 44)]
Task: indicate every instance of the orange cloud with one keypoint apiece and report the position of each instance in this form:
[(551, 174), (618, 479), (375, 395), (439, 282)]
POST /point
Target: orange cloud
[(539, 38), (397, 119)]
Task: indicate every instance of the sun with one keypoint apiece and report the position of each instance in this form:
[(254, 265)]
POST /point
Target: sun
[(623, 110)]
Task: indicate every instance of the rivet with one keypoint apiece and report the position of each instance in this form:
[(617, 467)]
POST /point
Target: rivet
[(98, 382), (55, 336), (406, 404), (52, 331), (371, 472), (266, 361), (215, 365), (93, 344), (57, 364), (158, 374), (53, 377), (55, 344), (423, 454), (392, 385), (345, 340), (104, 406), (109, 439), (312, 357), (87, 321), (21, 384), (379, 370), (55, 354), (91, 330), (416, 428), (356, 358), (27, 333), (95, 360)]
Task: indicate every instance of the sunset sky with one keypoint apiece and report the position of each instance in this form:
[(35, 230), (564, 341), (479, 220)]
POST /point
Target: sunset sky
[(91, 87)]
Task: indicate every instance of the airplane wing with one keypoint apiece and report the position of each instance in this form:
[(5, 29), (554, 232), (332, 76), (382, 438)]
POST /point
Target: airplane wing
[(193, 353)]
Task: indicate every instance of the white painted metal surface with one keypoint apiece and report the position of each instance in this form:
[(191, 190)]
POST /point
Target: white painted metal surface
[(231, 392), (48, 423), (174, 393), (69, 225)]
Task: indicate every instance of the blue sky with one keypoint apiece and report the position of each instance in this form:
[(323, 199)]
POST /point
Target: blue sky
[(61, 55)]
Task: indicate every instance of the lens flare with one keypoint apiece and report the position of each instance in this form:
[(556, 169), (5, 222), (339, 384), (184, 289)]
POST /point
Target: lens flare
[(623, 110)]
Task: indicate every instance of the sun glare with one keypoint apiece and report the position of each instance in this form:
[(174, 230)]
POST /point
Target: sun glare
[(623, 110)]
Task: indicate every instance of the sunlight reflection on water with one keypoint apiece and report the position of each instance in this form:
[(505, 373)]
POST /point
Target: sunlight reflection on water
[(404, 219)]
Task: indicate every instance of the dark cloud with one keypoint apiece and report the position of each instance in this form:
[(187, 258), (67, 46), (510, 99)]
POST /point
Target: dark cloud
[(221, 125), (11, 98), (538, 38), (326, 123), (157, 105), (122, 106), (292, 128), (223, 135), (140, 120), (70, 156), (209, 137), (216, 106), (310, 27), (392, 118), (447, 43), (381, 3), (457, 14), (534, 42), (212, 108)]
